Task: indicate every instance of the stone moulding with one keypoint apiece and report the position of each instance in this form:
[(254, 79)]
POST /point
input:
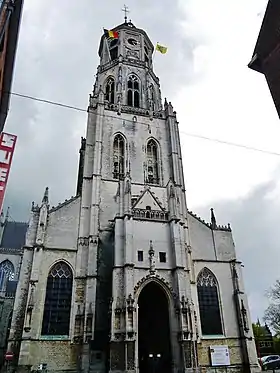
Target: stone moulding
[(219, 227), (66, 202), (10, 250)]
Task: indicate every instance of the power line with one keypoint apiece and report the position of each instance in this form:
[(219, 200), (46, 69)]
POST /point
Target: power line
[(48, 102), (60, 104), (247, 147)]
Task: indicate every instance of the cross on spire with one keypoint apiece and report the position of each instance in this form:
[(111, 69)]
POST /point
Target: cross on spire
[(126, 11)]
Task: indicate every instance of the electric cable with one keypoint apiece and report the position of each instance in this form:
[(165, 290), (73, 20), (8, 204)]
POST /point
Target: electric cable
[(71, 107)]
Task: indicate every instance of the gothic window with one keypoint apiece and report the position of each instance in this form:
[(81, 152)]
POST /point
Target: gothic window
[(152, 97), (7, 273), (146, 52), (57, 309), (133, 91), (152, 162), (209, 307), (114, 49), (118, 157), (110, 91)]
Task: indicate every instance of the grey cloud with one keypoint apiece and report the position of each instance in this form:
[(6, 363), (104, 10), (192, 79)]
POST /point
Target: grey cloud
[(57, 59), (254, 220)]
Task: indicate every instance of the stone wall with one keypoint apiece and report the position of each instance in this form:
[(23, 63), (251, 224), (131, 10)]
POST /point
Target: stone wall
[(234, 350), (6, 308), (58, 355)]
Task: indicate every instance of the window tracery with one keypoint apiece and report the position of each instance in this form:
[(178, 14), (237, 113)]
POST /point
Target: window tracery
[(146, 54), (56, 319), (7, 273), (110, 90), (118, 157), (209, 306), (152, 162), (133, 91)]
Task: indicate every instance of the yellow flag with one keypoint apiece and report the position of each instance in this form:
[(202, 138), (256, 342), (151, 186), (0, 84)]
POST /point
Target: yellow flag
[(161, 48)]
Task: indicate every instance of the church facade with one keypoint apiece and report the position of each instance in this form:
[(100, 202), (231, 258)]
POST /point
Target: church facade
[(122, 277)]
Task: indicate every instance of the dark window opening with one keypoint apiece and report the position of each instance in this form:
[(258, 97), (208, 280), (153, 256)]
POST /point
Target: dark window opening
[(162, 257), (114, 49), (152, 160), (140, 256), (113, 43), (118, 154), (56, 319), (110, 91), (133, 92), (114, 53), (148, 208), (209, 307), (129, 98), (136, 99)]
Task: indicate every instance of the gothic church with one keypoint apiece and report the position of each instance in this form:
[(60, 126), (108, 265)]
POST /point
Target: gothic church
[(122, 277)]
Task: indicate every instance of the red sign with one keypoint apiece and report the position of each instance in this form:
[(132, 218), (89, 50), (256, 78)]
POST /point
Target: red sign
[(7, 147), (9, 355)]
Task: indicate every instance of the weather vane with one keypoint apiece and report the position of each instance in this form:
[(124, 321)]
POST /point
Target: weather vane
[(126, 11)]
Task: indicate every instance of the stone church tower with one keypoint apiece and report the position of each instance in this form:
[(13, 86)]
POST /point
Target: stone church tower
[(122, 277)]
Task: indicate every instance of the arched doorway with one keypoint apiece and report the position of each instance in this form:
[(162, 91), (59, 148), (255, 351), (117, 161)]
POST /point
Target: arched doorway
[(154, 347)]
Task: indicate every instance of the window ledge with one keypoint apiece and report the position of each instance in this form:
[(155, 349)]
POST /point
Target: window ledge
[(218, 336), (54, 337)]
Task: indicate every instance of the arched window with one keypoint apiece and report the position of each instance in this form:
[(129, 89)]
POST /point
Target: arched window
[(110, 91), (146, 52), (7, 273), (152, 96), (133, 91), (57, 309), (118, 157), (209, 306), (152, 162), (114, 49)]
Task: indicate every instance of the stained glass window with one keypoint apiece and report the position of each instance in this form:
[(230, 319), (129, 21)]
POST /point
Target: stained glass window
[(7, 273), (152, 162), (110, 91), (57, 309), (118, 167), (133, 91), (209, 306)]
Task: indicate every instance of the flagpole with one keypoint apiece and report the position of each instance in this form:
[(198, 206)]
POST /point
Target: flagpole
[(153, 59), (107, 45)]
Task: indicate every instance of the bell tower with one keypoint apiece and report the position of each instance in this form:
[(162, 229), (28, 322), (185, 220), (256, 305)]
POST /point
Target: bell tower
[(133, 210), (126, 69)]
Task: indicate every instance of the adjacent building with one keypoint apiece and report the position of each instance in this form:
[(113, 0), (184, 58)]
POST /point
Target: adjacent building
[(123, 277), (12, 239), (10, 17), (266, 55)]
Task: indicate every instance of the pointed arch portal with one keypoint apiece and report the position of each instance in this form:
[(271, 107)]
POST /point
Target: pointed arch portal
[(154, 347)]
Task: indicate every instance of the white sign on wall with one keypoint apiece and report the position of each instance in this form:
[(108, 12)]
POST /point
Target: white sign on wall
[(219, 355)]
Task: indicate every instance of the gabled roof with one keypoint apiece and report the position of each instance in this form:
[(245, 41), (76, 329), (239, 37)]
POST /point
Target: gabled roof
[(14, 234), (147, 198)]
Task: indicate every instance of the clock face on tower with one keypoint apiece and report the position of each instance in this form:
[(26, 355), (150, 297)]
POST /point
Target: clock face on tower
[(132, 41)]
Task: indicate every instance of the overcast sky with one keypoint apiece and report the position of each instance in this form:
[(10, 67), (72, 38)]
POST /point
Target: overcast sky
[(214, 93)]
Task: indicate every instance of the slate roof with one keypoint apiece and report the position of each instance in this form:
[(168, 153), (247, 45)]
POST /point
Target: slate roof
[(269, 36), (14, 234), (266, 56)]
